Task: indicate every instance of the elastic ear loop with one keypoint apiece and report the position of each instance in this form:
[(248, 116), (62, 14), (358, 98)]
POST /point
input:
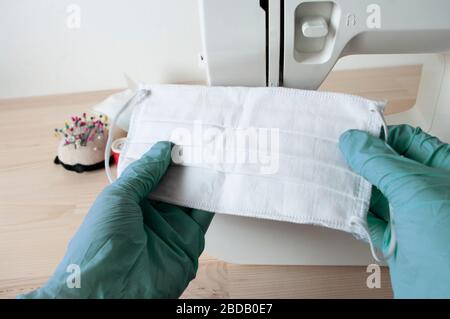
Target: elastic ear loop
[(393, 235), (358, 221), (363, 223), (133, 100)]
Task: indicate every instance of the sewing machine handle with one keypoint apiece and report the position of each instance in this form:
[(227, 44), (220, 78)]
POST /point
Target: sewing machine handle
[(357, 27)]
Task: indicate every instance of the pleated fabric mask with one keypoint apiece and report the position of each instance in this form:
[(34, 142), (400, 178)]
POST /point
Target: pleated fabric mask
[(267, 153)]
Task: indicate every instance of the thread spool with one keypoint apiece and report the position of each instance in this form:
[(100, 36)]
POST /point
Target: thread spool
[(116, 148)]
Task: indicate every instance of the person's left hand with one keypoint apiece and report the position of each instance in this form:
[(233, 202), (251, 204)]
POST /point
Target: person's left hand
[(129, 246)]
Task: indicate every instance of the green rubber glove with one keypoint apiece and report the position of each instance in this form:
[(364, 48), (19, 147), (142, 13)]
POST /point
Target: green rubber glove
[(129, 246), (412, 174)]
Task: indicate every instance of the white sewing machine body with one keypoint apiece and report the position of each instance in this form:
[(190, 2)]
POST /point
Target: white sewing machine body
[(296, 43)]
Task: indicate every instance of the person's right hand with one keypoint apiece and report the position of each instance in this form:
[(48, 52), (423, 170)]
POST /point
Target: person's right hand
[(412, 174)]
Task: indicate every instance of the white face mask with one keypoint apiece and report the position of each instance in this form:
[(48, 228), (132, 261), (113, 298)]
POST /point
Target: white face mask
[(258, 152)]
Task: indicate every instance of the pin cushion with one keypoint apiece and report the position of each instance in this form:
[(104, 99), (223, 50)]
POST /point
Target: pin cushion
[(83, 142)]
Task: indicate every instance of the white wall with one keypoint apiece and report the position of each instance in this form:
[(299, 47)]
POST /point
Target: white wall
[(150, 40)]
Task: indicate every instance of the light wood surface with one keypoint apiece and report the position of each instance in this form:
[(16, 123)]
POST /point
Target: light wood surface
[(396, 85), (42, 205)]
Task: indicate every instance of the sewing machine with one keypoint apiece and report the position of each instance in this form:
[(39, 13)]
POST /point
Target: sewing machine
[(295, 43)]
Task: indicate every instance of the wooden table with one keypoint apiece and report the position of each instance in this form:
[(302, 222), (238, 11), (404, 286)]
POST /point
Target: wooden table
[(42, 205)]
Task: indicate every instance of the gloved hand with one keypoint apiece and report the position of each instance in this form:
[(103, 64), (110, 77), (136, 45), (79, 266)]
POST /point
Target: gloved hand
[(129, 246), (412, 173)]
